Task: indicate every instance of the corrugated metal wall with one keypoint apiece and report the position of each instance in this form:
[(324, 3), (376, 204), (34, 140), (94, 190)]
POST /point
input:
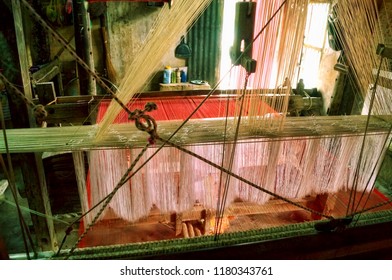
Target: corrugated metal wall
[(204, 38)]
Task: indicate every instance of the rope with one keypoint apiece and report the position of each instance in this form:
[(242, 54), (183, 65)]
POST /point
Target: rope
[(220, 211), (144, 122), (222, 161), (356, 176), (372, 207), (363, 193), (34, 212)]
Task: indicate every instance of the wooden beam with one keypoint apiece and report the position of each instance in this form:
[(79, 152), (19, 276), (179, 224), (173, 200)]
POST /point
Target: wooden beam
[(22, 51), (75, 138), (31, 163), (337, 95), (368, 238), (352, 243), (68, 114), (47, 72), (83, 44), (82, 109)]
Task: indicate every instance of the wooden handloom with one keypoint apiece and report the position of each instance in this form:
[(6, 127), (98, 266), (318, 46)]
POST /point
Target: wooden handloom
[(81, 138), (210, 131)]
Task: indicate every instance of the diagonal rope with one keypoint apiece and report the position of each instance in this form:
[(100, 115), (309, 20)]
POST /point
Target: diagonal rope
[(386, 144), (51, 217), (218, 203), (221, 210), (378, 205), (356, 175), (221, 207)]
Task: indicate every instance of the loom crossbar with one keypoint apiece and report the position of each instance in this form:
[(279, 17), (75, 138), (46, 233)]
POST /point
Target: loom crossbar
[(76, 138)]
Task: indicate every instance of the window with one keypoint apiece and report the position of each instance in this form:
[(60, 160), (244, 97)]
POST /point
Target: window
[(308, 63), (315, 37)]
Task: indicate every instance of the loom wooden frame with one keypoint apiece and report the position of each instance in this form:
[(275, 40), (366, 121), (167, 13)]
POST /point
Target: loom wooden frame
[(74, 138)]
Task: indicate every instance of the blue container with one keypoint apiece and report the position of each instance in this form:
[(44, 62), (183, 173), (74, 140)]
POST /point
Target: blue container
[(167, 75), (183, 76)]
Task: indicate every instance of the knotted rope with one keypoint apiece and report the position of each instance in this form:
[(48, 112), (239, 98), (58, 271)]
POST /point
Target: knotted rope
[(145, 122)]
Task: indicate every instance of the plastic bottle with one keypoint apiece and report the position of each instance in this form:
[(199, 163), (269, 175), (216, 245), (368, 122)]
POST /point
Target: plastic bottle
[(173, 77), (167, 75), (178, 76), (183, 76)]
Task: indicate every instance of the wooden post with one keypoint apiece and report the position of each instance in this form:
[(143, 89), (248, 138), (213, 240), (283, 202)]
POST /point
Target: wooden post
[(31, 163), (21, 44), (92, 85), (83, 44), (178, 224), (337, 95), (207, 217), (38, 199), (79, 164)]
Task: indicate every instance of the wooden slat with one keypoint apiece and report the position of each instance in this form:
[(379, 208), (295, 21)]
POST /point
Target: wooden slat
[(47, 72)]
